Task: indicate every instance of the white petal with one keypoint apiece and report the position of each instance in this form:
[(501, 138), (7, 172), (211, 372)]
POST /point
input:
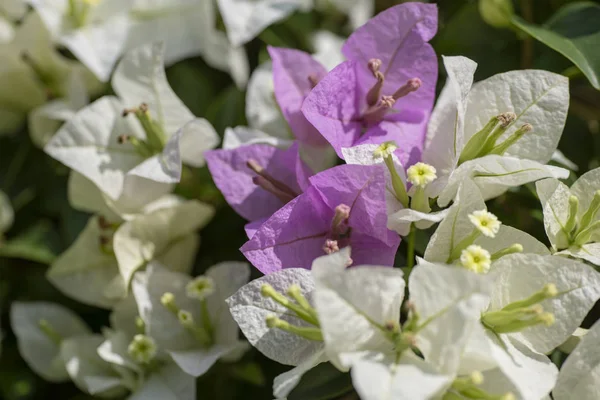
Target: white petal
[(245, 19), (88, 143), (84, 271), (284, 383), (589, 252), (44, 121), (554, 196), (456, 226), (579, 376), (221, 54), (100, 45), (540, 98), (353, 306), (561, 159), (495, 174), (38, 350), (262, 110), (138, 194), (197, 136), (381, 378), (147, 236), (161, 324), (241, 135), (114, 350), (518, 276), (123, 316), (434, 289), (87, 370), (164, 167), (585, 187), (250, 309), (528, 375), (196, 362), (445, 133), (140, 78), (401, 220), (229, 277), (328, 47), (168, 383)]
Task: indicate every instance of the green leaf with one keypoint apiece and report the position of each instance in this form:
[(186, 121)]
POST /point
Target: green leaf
[(32, 245), (321, 383), (574, 32)]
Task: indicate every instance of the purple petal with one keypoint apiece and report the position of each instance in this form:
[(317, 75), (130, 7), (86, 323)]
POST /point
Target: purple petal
[(398, 37), (369, 251), (252, 227), (291, 71), (293, 237), (362, 187), (234, 179), (407, 129), (333, 107)]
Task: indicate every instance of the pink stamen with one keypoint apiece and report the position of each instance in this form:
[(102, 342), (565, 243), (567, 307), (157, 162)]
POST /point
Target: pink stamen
[(387, 101), (374, 93), (410, 86), (269, 187), (314, 81), (281, 187), (374, 64), (331, 246)]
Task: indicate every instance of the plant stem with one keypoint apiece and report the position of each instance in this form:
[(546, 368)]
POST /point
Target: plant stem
[(527, 45)]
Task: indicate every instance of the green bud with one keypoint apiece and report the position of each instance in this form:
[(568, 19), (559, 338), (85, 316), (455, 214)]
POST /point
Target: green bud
[(591, 212), (168, 301), (420, 201), (496, 13), (305, 332), (397, 184), (515, 248), (482, 142), (268, 291), (512, 139), (572, 219)]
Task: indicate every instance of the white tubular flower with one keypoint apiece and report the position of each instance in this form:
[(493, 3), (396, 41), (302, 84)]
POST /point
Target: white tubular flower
[(142, 349), (486, 222), (421, 174), (477, 259), (200, 288)]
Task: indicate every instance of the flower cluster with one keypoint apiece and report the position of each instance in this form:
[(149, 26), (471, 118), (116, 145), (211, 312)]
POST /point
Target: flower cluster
[(345, 155)]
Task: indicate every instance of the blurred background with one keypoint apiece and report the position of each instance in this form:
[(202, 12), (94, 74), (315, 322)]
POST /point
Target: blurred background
[(45, 224)]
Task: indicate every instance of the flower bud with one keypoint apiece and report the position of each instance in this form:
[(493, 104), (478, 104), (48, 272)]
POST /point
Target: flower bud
[(496, 13)]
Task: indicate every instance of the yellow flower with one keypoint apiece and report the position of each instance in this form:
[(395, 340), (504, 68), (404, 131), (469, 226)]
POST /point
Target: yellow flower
[(475, 258), (384, 150), (421, 174), (486, 222)]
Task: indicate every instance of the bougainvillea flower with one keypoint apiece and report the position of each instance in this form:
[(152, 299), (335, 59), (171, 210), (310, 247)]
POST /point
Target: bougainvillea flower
[(295, 74), (258, 179), (342, 206), (385, 91)]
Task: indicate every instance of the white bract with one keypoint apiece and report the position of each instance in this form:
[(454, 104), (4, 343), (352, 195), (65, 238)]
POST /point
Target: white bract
[(462, 228), (571, 216), (94, 31), (580, 373), (40, 329), (404, 208), (188, 317), (278, 325), (106, 147), (97, 268), (245, 19), (32, 64), (500, 132)]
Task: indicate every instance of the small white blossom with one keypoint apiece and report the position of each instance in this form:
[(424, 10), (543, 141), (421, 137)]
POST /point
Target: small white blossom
[(486, 222), (475, 258), (421, 174), (200, 288), (142, 349)]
